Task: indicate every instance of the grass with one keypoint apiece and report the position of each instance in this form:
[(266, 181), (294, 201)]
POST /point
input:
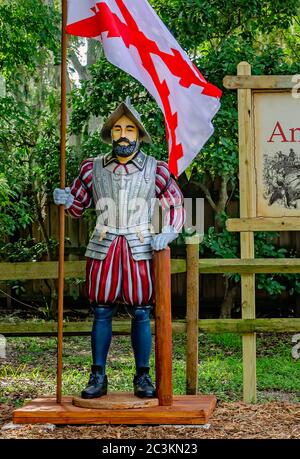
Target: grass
[(30, 368)]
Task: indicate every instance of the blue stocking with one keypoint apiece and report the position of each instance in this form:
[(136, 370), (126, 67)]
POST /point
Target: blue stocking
[(141, 339), (102, 334)]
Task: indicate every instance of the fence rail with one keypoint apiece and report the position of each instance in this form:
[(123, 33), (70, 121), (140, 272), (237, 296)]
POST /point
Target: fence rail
[(122, 327), (76, 269), (49, 269)]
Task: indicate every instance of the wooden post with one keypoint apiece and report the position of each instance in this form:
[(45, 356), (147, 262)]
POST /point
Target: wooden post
[(63, 125), (247, 210), (163, 327), (192, 314)]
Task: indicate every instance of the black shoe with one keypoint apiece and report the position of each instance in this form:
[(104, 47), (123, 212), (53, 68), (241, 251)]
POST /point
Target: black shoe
[(143, 386), (97, 385)]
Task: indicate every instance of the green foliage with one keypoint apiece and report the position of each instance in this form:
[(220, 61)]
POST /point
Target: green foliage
[(221, 244), (265, 247), (274, 284), (28, 33), (29, 152), (197, 21), (224, 244), (25, 249), (29, 111)]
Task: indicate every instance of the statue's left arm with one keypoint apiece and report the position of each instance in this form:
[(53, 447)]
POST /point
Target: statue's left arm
[(171, 199)]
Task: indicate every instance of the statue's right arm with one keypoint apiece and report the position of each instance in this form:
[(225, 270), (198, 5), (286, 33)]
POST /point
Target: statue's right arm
[(80, 196)]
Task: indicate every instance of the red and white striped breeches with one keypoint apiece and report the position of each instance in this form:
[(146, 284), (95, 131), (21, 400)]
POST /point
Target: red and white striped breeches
[(119, 277)]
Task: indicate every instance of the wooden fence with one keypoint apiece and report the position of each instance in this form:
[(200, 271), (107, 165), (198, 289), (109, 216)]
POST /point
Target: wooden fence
[(192, 266), (212, 288)]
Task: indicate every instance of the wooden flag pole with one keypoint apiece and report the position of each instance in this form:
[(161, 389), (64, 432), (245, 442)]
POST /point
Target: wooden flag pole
[(63, 125)]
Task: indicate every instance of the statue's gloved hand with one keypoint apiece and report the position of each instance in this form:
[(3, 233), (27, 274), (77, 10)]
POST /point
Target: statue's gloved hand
[(163, 239), (65, 197)]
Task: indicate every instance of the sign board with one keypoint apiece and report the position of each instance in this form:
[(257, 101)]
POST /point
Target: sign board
[(277, 153)]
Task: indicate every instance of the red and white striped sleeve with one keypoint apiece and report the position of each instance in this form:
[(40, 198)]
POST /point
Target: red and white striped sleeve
[(82, 190), (170, 196)]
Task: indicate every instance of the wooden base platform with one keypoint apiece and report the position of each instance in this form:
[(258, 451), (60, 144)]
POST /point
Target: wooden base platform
[(115, 401), (186, 409)]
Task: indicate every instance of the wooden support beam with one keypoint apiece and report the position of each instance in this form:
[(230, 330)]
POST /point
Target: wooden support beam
[(258, 82), (163, 327), (178, 266), (249, 265), (263, 224), (49, 269), (122, 327), (241, 326), (192, 314), (247, 181), (40, 270)]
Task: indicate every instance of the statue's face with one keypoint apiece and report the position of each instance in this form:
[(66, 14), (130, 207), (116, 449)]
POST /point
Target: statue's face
[(124, 128), (125, 135)]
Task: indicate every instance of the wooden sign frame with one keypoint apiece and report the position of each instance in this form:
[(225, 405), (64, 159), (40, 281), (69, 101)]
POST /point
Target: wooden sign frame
[(248, 87), (249, 221)]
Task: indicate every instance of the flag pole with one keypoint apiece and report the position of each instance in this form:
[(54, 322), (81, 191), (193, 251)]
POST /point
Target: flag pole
[(63, 124)]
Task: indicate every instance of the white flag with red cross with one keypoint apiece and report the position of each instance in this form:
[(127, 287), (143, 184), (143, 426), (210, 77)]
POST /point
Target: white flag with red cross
[(136, 40)]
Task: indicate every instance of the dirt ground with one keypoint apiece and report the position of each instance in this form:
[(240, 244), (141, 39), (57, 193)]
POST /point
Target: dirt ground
[(275, 420)]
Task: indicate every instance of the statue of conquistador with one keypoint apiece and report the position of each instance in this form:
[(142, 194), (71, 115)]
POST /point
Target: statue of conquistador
[(123, 186)]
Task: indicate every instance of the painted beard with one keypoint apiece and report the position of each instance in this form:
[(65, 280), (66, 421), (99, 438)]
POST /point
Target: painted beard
[(124, 150)]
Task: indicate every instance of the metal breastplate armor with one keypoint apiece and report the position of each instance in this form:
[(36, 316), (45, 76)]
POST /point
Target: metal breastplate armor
[(124, 204)]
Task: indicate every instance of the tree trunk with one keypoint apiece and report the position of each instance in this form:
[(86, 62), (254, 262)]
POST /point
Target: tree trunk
[(229, 300), (219, 207), (222, 203)]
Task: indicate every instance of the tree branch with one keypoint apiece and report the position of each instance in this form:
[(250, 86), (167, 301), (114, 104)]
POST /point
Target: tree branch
[(80, 69), (206, 191), (223, 197)]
